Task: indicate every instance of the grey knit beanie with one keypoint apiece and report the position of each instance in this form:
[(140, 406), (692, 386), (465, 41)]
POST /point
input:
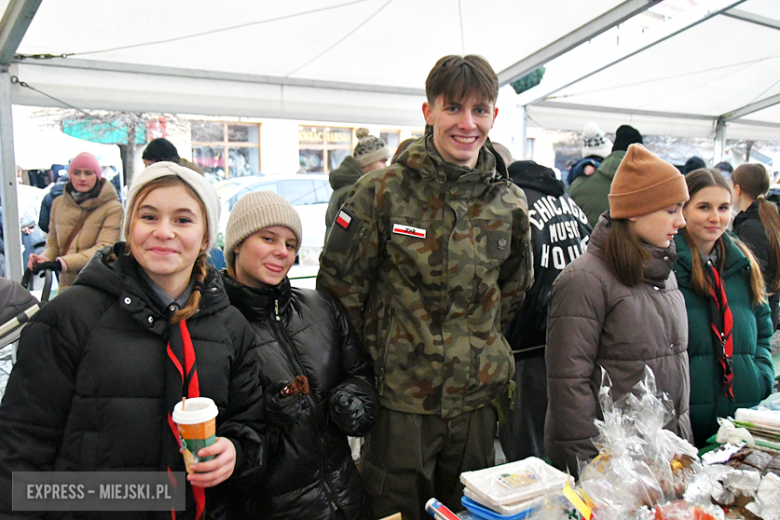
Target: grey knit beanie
[(255, 211), (203, 188), (369, 149)]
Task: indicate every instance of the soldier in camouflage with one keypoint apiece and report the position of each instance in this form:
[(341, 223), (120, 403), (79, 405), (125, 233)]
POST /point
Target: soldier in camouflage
[(431, 258)]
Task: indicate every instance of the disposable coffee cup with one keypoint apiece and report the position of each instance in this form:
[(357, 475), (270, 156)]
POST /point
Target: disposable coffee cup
[(197, 425)]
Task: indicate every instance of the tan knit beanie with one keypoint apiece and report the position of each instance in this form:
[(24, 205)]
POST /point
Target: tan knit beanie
[(369, 149), (255, 211), (643, 184)]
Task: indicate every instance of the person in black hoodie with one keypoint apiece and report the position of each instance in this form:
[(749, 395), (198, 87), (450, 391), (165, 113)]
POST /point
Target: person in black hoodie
[(560, 233), (100, 367), (318, 380)]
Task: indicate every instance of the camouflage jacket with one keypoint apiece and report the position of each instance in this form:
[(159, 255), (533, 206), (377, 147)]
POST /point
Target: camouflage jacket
[(431, 261)]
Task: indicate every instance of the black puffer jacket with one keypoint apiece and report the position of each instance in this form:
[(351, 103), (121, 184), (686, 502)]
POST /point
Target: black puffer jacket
[(88, 390), (310, 470), (749, 228)]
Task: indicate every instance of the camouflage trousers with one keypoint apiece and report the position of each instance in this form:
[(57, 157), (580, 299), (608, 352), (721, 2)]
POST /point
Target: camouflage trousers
[(409, 458)]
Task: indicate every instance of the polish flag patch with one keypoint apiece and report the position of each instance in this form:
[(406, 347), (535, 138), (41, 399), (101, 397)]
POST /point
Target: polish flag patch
[(408, 231), (343, 219)]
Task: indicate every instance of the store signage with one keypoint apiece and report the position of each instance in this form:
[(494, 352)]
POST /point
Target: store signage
[(320, 135)]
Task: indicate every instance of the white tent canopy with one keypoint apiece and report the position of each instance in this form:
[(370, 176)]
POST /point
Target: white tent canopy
[(709, 72), (719, 64), (363, 60)]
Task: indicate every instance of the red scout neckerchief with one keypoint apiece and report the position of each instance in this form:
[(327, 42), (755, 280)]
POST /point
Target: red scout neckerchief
[(722, 322), (182, 381)]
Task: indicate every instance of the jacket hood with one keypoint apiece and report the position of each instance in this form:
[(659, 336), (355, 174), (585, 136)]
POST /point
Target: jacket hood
[(58, 189), (610, 164), (422, 157), (114, 271), (348, 172), (657, 267), (257, 304), (530, 175)]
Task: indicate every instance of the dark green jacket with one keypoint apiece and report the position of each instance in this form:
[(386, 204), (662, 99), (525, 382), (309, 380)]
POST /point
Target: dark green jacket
[(591, 193), (341, 180), (753, 369), (431, 267)]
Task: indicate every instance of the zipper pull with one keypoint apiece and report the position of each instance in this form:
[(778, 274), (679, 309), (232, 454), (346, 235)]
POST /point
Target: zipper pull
[(276, 310)]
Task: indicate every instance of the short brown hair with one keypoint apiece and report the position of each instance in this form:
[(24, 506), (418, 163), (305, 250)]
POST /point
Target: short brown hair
[(458, 77)]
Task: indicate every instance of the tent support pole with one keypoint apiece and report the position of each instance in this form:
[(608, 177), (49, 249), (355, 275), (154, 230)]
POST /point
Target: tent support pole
[(16, 19), (523, 113), (11, 230), (720, 141)]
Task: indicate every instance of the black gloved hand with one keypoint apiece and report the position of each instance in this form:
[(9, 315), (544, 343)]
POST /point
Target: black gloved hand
[(281, 410), (54, 266), (353, 407)]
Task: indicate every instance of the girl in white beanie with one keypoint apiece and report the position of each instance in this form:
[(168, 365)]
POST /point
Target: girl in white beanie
[(145, 325), (318, 380)]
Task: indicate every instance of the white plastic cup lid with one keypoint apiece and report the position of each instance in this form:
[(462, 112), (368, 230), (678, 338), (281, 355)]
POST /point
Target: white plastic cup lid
[(196, 410)]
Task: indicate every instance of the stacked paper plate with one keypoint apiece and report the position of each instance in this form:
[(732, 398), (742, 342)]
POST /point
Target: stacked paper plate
[(511, 491)]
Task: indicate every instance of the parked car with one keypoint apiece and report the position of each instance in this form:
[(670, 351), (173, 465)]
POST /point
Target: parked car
[(308, 193)]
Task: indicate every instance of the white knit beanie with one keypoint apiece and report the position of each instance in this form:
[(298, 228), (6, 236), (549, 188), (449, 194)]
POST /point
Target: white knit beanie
[(255, 211), (594, 142), (203, 188)]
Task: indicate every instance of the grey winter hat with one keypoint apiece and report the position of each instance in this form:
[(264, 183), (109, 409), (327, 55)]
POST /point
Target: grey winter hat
[(255, 211), (202, 188), (369, 148)]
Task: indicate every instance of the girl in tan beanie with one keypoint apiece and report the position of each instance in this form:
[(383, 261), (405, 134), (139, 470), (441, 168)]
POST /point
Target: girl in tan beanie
[(617, 307), (318, 381)]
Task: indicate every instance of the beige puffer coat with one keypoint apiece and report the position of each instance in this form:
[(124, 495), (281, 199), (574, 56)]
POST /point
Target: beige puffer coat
[(102, 228), (594, 320)]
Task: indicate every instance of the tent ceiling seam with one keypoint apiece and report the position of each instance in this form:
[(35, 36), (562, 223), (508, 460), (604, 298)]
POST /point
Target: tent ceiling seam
[(709, 14), (214, 31), (575, 38), (350, 33), (744, 16)]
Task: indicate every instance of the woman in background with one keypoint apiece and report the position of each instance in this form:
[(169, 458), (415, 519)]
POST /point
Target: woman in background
[(617, 307), (728, 317), (758, 226), (84, 219)]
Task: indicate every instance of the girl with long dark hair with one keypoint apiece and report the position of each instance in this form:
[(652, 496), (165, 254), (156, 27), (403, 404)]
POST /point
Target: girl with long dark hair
[(728, 316)]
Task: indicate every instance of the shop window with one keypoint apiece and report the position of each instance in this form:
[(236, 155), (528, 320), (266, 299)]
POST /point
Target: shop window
[(392, 138), (223, 150), (321, 149)]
